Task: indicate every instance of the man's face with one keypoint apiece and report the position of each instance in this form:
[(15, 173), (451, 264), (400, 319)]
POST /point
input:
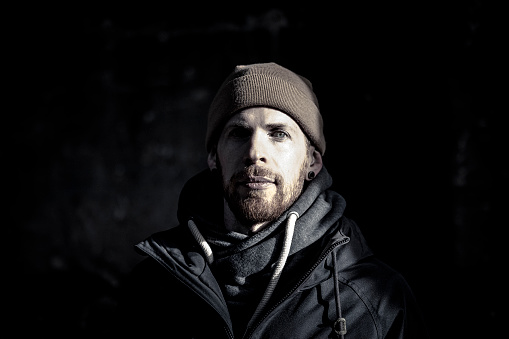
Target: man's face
[(263, 157)]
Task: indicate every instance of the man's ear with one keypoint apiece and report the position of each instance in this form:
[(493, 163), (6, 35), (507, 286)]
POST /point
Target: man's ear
[(316, 164), (211, 159)]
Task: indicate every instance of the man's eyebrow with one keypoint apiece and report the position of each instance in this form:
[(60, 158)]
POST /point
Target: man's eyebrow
[(275, 126), (238, 123)]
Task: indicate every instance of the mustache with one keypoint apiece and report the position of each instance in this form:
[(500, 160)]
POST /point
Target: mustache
[(255, 171)]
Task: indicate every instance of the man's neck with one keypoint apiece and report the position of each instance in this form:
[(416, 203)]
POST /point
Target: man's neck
[(232, 224)]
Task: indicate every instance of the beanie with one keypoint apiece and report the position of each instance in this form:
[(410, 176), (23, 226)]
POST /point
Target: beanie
[(269, 85)]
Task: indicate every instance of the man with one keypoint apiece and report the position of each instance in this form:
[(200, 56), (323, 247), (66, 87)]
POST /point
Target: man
[(263, 249)]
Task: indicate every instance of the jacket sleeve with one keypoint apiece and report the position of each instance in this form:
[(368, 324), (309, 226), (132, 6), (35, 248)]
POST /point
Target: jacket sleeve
[(385, 303)]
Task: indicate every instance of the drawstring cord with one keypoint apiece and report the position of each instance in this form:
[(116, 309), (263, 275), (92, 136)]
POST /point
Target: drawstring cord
[(290, 227), (209, 256), (340, 323)]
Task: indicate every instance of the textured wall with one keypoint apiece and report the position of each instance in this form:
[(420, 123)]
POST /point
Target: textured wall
[(111, 120)]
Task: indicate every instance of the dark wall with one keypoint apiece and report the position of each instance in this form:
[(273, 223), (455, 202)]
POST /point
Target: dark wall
[(110, 123)]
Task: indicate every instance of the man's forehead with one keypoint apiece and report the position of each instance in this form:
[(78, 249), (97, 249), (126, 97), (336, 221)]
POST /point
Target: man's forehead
[(262, 115)]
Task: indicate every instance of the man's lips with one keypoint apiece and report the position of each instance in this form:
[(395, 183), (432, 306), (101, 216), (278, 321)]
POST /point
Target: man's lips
[(257, 182)]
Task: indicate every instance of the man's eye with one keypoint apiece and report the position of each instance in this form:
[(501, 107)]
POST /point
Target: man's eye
[(239, 133), (279, 134)]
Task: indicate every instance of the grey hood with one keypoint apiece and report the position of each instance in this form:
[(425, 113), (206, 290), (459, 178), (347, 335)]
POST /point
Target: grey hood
[(318, 209)]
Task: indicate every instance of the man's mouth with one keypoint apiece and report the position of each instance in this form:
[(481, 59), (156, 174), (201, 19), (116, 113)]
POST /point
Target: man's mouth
[(257, 182)]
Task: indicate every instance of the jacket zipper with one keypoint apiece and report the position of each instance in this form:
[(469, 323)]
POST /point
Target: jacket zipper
[(324, 255)]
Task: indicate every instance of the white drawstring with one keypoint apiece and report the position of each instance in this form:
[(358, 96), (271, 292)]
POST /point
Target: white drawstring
[(209, 256), (290, 227)]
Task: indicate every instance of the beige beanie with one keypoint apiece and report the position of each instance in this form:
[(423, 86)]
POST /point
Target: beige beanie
[(269, 85)]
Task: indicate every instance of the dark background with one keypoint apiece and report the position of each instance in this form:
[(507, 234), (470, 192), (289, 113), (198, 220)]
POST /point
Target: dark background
[(110, 119)]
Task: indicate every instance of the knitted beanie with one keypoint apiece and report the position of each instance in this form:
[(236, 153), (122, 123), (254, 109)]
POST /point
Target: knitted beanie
[(268, 85)]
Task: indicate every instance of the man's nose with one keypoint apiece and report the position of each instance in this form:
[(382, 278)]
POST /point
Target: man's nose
[(257, 149)]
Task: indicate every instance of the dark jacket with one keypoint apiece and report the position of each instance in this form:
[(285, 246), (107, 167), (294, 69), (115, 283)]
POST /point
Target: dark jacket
[(174, 291)]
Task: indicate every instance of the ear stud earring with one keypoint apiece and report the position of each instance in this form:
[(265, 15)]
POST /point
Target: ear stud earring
[(311, 175)]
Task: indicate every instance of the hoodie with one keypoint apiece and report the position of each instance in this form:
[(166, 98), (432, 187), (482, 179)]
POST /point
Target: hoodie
[(309, 274)]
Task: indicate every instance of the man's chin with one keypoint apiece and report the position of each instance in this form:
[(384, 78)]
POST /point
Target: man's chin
[(253, 210)]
